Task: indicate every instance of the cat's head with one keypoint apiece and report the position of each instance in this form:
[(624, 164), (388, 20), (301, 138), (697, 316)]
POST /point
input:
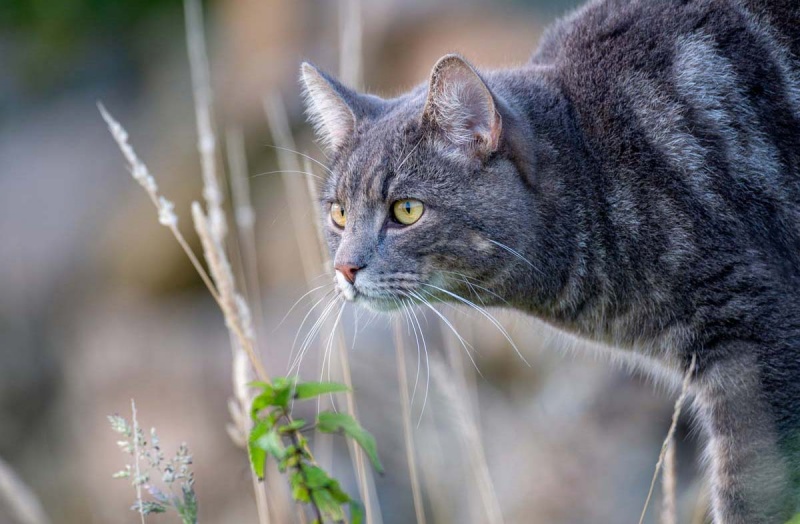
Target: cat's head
[(423, 198)]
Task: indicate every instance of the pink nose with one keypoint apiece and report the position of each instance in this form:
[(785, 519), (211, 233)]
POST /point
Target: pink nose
[(348, 270)]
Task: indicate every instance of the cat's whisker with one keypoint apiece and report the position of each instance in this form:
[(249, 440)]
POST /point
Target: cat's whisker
[(289, 171), (472, 285), (427, 363), (305, 318), (312, 159), (409, 154), (327, 356), (516, 254), (487, 315), (466, 345), (406, 311), (312, 333), (297, 302)]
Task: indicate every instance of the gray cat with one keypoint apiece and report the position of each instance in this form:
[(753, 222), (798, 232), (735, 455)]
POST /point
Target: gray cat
[(637, 182)]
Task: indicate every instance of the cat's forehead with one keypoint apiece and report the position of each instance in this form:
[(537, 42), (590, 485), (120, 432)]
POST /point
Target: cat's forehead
[(380, 154)]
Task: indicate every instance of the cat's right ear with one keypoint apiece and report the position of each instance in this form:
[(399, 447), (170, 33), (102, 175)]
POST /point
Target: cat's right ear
[(462, 108), (332, 108)]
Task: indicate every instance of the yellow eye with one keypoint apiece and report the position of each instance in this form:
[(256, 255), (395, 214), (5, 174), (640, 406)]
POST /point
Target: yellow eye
[(407, 211), (337, 214)]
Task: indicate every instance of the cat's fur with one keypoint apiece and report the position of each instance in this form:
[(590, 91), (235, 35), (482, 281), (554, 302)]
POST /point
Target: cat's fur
[(637, 183)]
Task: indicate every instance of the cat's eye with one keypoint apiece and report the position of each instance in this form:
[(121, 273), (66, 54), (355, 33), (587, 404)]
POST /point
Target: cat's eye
[(407, 211), (337, 214)]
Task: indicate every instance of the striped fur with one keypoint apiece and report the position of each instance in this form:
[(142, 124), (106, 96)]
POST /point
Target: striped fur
[(644, 193)]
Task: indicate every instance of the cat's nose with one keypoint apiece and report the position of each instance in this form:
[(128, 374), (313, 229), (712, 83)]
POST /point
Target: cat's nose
[(348, 270)]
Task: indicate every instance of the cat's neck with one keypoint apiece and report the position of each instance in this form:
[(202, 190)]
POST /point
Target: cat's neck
[(578, 281)]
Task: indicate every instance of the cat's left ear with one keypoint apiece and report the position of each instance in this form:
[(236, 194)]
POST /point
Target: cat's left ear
[(333, 109), (461, 106)]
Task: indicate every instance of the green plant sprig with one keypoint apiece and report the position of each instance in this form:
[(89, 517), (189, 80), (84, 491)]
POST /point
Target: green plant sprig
[(275, 433)]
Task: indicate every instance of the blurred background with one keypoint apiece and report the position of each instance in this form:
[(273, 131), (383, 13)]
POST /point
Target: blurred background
[(99, 305)]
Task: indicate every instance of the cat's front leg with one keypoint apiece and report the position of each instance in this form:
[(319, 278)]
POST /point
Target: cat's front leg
[(749, 472)]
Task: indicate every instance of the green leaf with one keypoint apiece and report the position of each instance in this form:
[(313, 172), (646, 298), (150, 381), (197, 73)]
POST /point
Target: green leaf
[(329, 422), (357, 514), (337, 493), (295, 425), (271, 443), (299, 490), (316, 477), (327, 504), (306, 390), (263, 400), (257, 453), (276, 394)]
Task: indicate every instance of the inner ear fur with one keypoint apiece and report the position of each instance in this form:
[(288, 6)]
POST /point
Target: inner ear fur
[(461, 106)]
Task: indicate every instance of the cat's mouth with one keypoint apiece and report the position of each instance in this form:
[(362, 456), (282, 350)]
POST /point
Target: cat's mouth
[(376, 297)]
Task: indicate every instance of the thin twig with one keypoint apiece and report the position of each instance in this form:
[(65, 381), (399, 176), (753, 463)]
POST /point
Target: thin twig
[(313, 257), (206, 139), (137, 480), (465, 406), (22, 502), (687, 378), (402, 376), (350, 48), (142, 175), (668, 486)]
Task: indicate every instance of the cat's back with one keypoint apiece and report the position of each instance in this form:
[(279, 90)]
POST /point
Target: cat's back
[(699, 98)]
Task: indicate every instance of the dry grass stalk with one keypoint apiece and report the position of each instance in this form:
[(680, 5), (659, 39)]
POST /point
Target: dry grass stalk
[(245, 228), (687, 378), (245, 217), (408, 433), (668, 487), (210, 227), (363, 473), (464, 405), (700, 511), (165, 208), (302, 196), (432, 466), (206, 139), (137, 470), (21, 501), (350, 43)]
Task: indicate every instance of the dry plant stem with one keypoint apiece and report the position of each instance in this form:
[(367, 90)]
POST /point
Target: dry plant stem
[(313, 254), (463, 400), (231, 307), (137, 478), (700, 506), (350, 48), (432, 464), (402, 376), (206, 140), (668, 485), (142, 175), (687, 378), (363, 474), (20, 500), (245, 217)]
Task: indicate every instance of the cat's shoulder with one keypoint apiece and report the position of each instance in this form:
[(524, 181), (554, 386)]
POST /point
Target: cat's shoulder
[(632, 27)]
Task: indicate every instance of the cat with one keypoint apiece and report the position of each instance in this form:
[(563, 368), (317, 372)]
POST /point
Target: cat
[(636, 183)]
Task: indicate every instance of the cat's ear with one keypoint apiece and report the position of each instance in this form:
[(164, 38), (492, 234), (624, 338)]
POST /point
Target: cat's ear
[(461, 106), (332, 108)]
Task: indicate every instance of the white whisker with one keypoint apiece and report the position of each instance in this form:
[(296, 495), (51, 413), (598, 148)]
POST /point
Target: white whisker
[(323, 166), (486, 314), (515, 253)]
